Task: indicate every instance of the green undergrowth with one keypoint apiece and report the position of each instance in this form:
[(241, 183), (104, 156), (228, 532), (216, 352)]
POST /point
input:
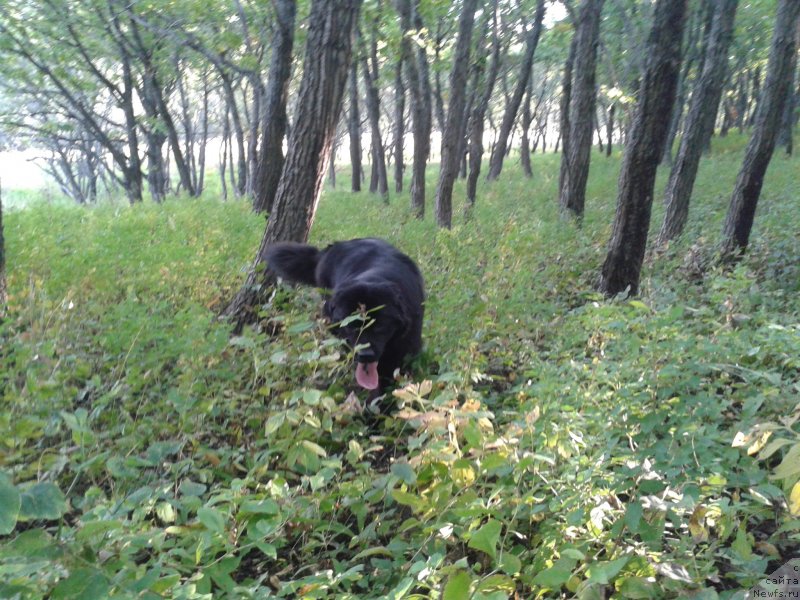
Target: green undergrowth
[(549, 443)]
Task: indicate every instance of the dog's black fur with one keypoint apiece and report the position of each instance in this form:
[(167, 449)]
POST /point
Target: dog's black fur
[(363, 275)]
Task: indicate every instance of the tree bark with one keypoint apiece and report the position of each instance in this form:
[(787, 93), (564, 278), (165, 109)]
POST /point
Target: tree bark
[(477, 117), (399, 124), (275, 121), (370, 70), (699, 122), (419, 82), (780, 68), (622, 267), (3, 283), (331, 24), (354, 130), (453, 129), (578, 143), (512, 108)]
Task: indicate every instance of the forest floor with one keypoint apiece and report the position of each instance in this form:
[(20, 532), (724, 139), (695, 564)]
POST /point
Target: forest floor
[(550, 442)]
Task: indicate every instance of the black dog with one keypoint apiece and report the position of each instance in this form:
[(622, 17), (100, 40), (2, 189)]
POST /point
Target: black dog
[(367, 276)]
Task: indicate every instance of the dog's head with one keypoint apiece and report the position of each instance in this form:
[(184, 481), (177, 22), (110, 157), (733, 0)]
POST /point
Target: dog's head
[(367, 316)]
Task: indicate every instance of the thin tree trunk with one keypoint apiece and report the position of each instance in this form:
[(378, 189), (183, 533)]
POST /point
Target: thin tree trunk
[(787, 121), (578, 145), (453, 131), (622, 267), (476, 119), (370, 71), (275, 122), (610, 128), (782, 61), (419, 83), (3, 283), (524, 143), (331, 24), (354, 129), (510, 114), (399, 124)]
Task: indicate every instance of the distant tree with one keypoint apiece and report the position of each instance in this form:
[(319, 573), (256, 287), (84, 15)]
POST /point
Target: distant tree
[(399, 122), (329, 44), (3, 284), (699, 121), (514, 102), (776, 88), (583, 92), (622, 267), (484, 87), (275, 120), (418, 73), (789, 119), (452, 135), (354, 130), (369, 64)]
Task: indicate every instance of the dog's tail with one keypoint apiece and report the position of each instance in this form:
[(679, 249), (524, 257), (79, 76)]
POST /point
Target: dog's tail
[(293, 262)]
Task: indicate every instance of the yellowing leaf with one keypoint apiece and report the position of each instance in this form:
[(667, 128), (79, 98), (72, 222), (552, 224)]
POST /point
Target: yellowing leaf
[(697, 524), (794, 500)]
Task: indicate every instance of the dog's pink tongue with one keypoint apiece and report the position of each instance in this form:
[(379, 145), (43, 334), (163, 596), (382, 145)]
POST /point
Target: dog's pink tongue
[(367, 375)]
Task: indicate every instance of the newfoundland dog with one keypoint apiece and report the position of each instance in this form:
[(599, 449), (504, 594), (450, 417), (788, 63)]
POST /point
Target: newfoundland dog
[(366, 277)]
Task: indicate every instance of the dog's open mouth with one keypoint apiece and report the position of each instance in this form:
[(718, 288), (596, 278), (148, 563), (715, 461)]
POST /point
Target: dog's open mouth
[(367, 375)]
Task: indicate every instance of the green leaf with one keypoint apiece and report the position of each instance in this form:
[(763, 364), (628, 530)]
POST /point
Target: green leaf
[(553, 577), (9, 504), (315, 448), (405, 472), (636, 587), (510, 563), (604, 572), (415, 502), (82, 583), (212, 519), (457, 587), (485, 539), (42, 501), (633, 516)]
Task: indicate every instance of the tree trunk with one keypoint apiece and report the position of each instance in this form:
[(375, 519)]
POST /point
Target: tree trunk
[(275, 121), (329, 44), (354, 130), (524, 143), (3, 284), (699, 122), (622, 267), (610, 128), (399, 124), (787, 121), (421, 111), (782, 61), (510, 114), (476, 119), (578, 143), (453, 130), (370, 71)]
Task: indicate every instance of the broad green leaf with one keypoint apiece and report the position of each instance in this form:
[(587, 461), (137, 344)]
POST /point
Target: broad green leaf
[(485, 539), (457, 587), (405, 472), (604, 572), (212, 519), (82, 583), (790, 465), (9, 504), (636, 587), (553, 577), (42, 501)]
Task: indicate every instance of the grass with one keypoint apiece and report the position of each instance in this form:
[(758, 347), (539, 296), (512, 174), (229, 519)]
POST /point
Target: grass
[(551, 443)]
